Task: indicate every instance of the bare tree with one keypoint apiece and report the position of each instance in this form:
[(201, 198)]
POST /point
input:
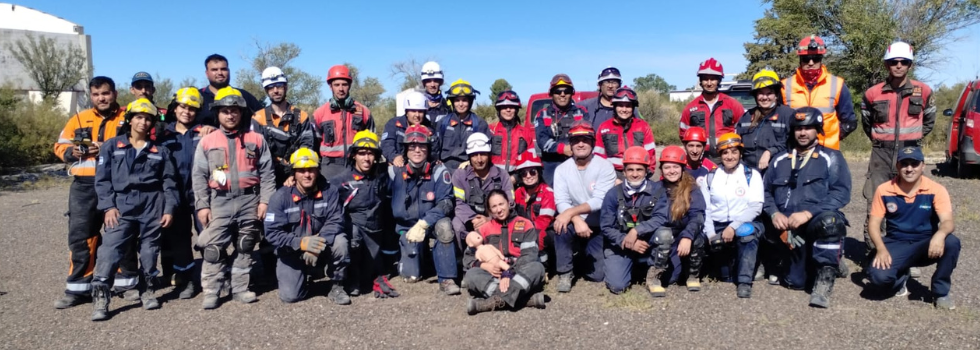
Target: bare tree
[(409, 71), (304, 88), (54, 69)]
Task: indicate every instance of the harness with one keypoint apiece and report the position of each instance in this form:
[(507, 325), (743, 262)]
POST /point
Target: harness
[(628, 216), (475, 196), (282, 142)]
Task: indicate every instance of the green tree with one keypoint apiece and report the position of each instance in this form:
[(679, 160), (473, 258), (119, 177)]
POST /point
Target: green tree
[(304, 87), (652, 82), (368, 90), (54, 69), (408, 70), (499, 85)]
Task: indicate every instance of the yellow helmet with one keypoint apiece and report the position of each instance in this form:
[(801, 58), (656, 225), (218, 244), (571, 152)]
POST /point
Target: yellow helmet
[(461, 87), (189, 96), (227, 97), (304, 158), (765, 78), (366, 139), (142, 105)]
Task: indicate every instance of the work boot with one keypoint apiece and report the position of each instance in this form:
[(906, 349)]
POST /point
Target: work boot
[(338, 296), (476, 306), (760, 273), (693, 284), (744, 291), (131, 295), (654, 285), (210, 301), (383, 289), (902, 292), (246, 297), (184, 285), (945, 303), (774, 280), (915, 272), (449, 287), (411, 279), (823, 287), (149, 299), (100, 302), (69, 300), (842, 269), (536, 301), (565, 282)]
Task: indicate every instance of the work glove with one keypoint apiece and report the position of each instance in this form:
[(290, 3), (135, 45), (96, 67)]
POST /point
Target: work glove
[(716, 243), (792, 240), (313, 244), (310, 258), (417, 233)]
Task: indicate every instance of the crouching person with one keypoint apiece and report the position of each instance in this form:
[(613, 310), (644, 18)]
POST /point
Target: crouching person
[(504, 269), (303, 222)]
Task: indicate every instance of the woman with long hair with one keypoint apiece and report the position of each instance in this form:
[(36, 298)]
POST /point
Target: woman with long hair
[(764, 128)]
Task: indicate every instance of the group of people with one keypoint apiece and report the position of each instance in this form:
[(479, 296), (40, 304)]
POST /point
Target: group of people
[(579, 191)]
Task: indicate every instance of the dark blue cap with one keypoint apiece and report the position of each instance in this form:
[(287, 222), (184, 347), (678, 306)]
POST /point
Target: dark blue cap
[(914, 153), (142, 76)]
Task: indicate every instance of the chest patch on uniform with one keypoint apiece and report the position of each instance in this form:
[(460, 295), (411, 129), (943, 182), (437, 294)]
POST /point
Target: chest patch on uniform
[(430, 196), (519, 226), (693, 109), (891, 207), (917, 91), (814, 155), (740, 191)]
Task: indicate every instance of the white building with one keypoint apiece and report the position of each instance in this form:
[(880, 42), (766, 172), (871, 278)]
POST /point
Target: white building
[(17, 23), (684, 95)]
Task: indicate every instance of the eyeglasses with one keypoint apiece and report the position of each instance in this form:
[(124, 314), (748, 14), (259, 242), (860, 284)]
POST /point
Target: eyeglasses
[(476, 144), (808, 58), (580, 139), (417, 147), (528, 172), (909, 163), (892, 63), (562, 91)]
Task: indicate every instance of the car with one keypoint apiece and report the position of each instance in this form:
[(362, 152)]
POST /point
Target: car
[(963, 145), (542, 100), (742, 92)]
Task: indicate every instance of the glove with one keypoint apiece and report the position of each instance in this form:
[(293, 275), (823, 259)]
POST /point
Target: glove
[(313, 244), (792, 240), (417, 233), (310, 258)]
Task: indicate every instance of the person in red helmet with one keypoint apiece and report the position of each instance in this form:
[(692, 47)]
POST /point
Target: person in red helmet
[(695, 141), (623, 130), (714, 111), (813, 86), (535, 200), (509, 138), (552, 124), (338, 120)]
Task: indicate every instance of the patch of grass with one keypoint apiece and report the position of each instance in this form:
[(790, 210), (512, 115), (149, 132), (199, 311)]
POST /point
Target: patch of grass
[(636, 298), (42, 183)]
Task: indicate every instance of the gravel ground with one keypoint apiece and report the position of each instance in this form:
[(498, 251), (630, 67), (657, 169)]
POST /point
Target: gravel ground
[(33, 263)]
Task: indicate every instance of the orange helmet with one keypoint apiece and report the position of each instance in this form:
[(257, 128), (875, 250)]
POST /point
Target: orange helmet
[(729, 140), (339, 72), (695, 133), (582, 128), (673, 154), (636, 155), (811, 45)]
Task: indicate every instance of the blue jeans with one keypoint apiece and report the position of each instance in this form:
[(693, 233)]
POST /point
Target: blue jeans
[(740, 256), (443, 254), (906, 254)]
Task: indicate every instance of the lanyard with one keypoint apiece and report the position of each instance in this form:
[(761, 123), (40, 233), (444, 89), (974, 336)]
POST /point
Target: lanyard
[(806, 158)]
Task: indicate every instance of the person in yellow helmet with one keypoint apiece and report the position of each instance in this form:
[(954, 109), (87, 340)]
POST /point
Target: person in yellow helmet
[(305, 225), (364, 191), (454, 129), (765, 127)]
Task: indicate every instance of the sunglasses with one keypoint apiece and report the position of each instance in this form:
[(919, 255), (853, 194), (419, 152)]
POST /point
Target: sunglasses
[(814, 58), (528, 172), (580, 139), (417, 147), (909, 163), (562, 91), (892, 63)]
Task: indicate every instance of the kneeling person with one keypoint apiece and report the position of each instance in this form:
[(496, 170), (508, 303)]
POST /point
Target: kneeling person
[(302, 222)]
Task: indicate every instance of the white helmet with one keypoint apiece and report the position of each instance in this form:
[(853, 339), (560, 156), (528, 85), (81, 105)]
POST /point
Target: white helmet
[(272, 75), (415, 101), (431, 70), (899, 49), (477, 143)]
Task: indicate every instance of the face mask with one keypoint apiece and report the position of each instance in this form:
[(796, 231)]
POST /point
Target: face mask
[(810, 76)]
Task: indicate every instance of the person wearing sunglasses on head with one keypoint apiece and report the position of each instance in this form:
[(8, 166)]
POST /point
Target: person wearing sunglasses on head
[(624, 130), (916, 237), (806, 187), (453, 130), (897, 113), (437, 107), (764, 128), (552, 124), (509, 137), (535, 200), (813, 86), (714, 111), (600, 108), (284, 126)]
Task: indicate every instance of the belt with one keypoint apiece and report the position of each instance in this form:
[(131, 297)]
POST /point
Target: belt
[(245, 191), (893, 144)]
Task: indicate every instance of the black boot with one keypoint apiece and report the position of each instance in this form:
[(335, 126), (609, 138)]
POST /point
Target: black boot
[(184, 285), (100, 299), (476, 306), (536, 301), (823, 286), (149, 296)]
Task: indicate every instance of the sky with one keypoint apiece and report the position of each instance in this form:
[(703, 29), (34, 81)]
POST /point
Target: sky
[(524, 42)]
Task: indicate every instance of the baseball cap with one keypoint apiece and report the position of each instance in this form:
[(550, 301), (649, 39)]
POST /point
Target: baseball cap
[(911, 152), (142, 76)]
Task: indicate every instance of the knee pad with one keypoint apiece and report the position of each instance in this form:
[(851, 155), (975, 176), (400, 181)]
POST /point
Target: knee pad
[(444, 231), (663, 237), (828, 226), (213, 254)]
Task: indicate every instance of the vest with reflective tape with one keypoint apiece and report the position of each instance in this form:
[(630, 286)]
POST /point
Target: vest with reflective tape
[(511, 238), (614, 139), (823, 97), (238, 156), (896, 112), (507, 143), (338, 127), (97, 128)]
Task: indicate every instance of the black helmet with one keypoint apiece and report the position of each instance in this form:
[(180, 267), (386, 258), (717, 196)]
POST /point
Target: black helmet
[(807, 116)]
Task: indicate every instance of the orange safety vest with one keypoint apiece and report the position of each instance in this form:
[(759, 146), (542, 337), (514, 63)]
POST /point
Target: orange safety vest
[(896, 112), (99, 129), (337, 127), (823, 97), (240, 164)]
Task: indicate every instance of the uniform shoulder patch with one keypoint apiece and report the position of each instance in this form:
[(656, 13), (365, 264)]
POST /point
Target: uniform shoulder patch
[(519, 225), (270, 217)]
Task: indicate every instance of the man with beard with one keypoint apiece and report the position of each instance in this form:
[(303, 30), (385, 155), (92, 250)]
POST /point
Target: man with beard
[(471, 185), (432, 80), (600, 108), (714, 111), (219, 76), (338, 120), (552, 125), (813, 86), (284, 126)]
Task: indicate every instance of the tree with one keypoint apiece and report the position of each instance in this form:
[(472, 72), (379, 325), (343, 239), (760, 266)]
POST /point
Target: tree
[(54, 69), (499, 85), (304, 87), (652, 82), (367, 91), (409, 70), (857, 32), (165, 90)]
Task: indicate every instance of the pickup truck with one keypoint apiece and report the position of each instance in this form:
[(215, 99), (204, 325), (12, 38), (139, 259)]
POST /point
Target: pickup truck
[(542, 100)]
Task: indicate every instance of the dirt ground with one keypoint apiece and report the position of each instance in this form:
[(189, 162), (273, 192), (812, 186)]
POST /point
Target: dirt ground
[(33, 261)]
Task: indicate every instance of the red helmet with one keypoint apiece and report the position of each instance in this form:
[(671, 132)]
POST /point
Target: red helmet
[(527, 160), (339, 72), (673, 154), (711, 67), (811, 45), (417, 134), (695, 133), (636, 155), (582, 128)]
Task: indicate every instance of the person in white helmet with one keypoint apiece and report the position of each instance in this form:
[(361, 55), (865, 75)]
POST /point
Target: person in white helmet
[(896, 113), (391, 139), (600, 108), (284, 126), (436, 104), (472, 183)]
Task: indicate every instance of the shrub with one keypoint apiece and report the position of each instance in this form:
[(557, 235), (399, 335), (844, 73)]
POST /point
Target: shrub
[(28, 131)]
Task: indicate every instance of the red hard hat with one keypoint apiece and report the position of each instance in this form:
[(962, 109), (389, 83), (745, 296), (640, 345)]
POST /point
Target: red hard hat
[(527, 160), (673, 154), (711, 67), (581, 128), (811, 45), (695, 133), (417, 134), (636, 155), (338, 72)]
